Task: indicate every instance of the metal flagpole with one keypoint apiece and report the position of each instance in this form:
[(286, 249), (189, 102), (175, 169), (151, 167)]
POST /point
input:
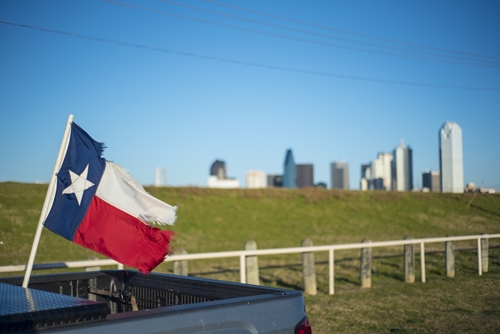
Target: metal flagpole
[(49, 197)]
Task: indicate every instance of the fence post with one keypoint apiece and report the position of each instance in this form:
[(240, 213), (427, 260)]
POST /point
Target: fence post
[(180, 267), (409, 265), (422, 262), (94, 268), (252, 264), (484, 253), (450, 258), (308, 270), (366, 266)]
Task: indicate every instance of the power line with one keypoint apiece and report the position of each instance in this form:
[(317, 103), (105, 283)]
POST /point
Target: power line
[(320, 34), (350, 32), (294, 38), (246, 63)]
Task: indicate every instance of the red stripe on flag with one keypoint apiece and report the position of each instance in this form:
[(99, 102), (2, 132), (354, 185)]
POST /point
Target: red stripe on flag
[(121, 237)]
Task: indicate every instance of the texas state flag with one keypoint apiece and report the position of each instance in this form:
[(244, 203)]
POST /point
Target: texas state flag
[(99, 206)]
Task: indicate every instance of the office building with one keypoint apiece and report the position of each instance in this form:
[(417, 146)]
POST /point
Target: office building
[(274, 181), (214, 182), (381, 172), (402, 168), (305, 175), (451, 158), (366, 176), (378, 184), (339, 172), (363, 184), (255, 179), (218, 177), (160, 177), (218, 169), (289, 171), (378, 174), (431, 181)]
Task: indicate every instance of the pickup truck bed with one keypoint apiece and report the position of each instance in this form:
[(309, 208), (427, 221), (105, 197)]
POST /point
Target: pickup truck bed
[(123, 301)]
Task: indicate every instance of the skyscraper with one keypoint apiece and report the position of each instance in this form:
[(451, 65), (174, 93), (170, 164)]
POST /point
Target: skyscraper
[(366, 177), (381, 172), (305, 175), (451, 158), (256, 179), (218, 177), (289, 171), (339, 172), (402, 168), (160, 177), (274, 181), (431, 181), (218, 169)]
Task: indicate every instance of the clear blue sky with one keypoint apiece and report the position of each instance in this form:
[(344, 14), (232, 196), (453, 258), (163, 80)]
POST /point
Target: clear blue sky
[(178, 87)]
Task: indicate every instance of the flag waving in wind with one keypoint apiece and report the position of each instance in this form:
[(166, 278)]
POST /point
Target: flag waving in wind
[(99, 206)]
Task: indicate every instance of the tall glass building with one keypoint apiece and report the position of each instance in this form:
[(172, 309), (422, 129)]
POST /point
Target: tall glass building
[(381, 170), (305, 175), (402, 168), (339, 173), (451, 165), (289, 171)]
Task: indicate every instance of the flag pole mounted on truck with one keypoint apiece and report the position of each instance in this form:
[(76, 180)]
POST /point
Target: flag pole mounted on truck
[(90, 199)]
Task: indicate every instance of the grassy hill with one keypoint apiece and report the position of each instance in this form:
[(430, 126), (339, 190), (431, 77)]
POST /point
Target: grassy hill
[(222, 220)]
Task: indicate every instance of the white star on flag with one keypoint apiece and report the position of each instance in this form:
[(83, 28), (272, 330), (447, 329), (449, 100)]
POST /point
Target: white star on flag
[(79, 184)]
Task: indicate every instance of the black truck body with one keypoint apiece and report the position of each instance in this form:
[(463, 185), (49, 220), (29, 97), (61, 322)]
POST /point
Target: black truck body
[(123, 301)]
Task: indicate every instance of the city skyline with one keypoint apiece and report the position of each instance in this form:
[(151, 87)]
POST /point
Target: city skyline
[(334, 81), (385, 167), (390, 171)]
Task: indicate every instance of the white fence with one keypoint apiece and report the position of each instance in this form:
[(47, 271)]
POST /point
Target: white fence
[(242, 254)]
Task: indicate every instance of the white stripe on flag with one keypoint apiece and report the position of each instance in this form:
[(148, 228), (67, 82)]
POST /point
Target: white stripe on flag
[(120, 189)]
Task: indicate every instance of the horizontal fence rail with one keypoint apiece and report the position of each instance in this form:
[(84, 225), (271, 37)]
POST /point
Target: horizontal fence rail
[(62, 265), (243, 254)]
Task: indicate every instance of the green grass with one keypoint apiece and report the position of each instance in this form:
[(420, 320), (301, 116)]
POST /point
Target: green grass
[(212, 220)]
